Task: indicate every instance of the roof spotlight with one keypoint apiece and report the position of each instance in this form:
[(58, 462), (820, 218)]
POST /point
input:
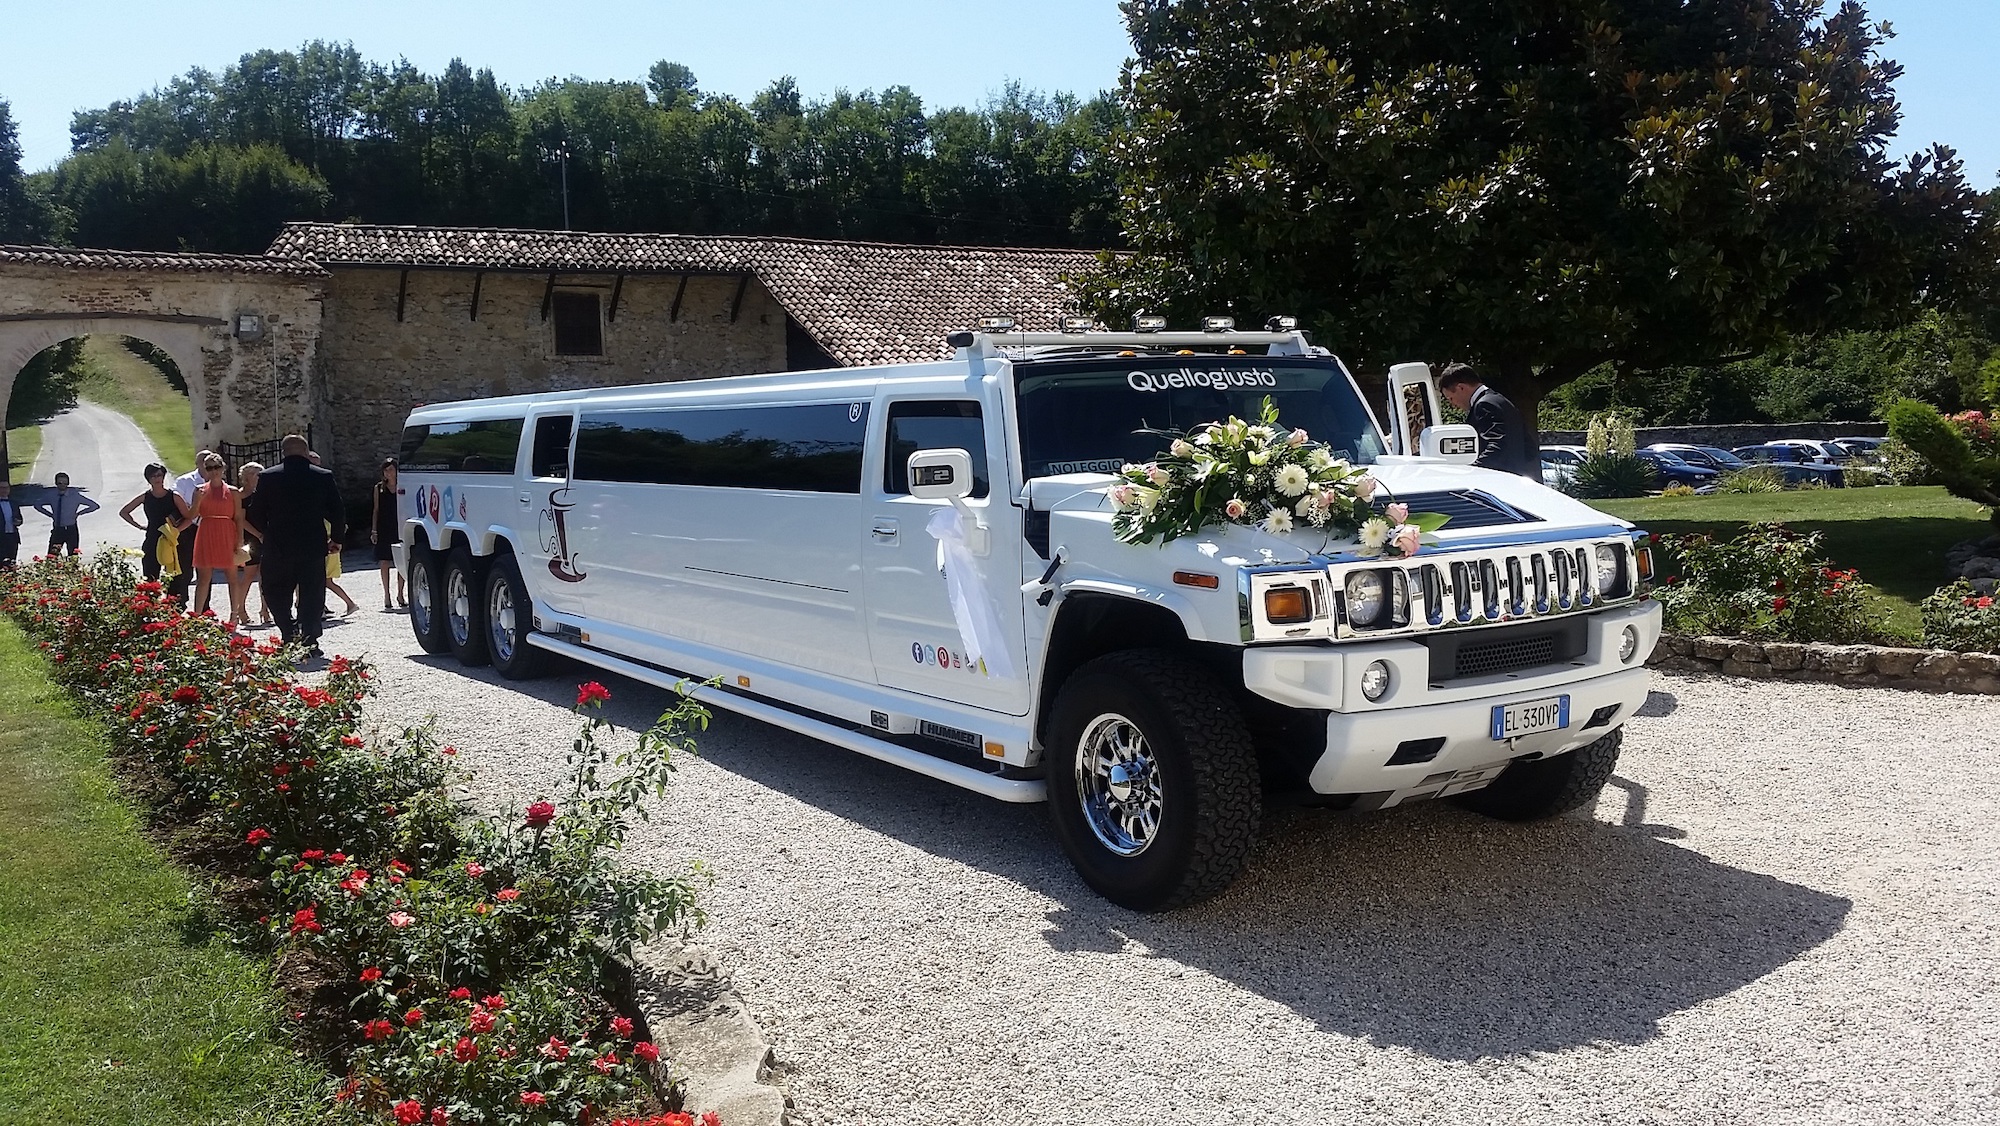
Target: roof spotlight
[(1148, 322), (1282, 324), (1078, 324), (1218, 324), (996, 324)]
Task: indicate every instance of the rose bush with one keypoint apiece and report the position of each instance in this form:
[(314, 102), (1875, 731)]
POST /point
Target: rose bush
[(1959, 617), (458, 961), (1765, 582)]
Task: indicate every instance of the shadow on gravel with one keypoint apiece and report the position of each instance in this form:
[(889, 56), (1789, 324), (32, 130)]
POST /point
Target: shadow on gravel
[(1429, 928)]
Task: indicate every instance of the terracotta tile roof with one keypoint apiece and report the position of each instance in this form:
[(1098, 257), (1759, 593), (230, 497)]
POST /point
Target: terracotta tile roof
[(176, 261), (865, 302)]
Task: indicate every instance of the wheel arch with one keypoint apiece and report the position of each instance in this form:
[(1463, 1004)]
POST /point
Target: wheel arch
[(1090, 624)]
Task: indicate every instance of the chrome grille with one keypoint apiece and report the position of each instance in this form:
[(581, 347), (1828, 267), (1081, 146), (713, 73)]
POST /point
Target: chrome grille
[(1485, 586)]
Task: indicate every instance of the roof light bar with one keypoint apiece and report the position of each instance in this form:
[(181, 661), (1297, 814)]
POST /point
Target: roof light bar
[(1079, 324), (1218, 324), (1281, 324), (1148, 322), (996, 324)]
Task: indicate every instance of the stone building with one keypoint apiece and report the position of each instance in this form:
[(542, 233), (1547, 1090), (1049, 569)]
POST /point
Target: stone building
[(425, 314), (343, 328)]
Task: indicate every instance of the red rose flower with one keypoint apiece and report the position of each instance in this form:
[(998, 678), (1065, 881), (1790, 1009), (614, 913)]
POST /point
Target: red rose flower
[(533, 1098), (621, 1025), (439, 1117), (465, 1051), (1778, 605), (540, 814), (645, 1050), (605, 1063), (313, 854), (475, 869), (409, 1112), (413, 1018), (591, 692), (507, 895), (371, 975), (379, 1030), (306, 921), (461, 994), (258, 836), (555, 1049), (495, 1002), (353, 741), (1985, 602), (480, 1021), (187, 693)]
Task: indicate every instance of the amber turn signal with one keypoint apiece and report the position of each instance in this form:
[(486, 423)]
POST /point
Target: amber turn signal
[(1644, 554), (1287, 605), (1196, 578)]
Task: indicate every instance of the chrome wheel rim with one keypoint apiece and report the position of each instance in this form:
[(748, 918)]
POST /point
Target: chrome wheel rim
[(422, 612), (500, 619), (458, 605), (1118, 784)]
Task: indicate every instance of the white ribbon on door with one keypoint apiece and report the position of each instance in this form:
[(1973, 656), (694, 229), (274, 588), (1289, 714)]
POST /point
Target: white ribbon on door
[(972, 602)]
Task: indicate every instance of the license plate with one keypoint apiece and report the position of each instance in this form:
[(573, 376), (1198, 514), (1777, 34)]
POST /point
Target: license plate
[(1532, 717)]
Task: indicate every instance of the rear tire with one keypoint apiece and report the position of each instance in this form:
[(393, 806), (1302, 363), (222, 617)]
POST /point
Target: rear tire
[(1153, 781), (510, 619), (1550, 787), (464, 608), (426, 583)]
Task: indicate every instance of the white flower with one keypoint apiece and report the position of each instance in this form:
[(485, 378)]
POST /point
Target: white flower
[(1156, 475), (1262, 433), (1182, 448), (1365, 488), (1259, 457), (1205, 437), (1127, 469), (1320, 459), (1144, 499), (1278, 521), (1306, 507), (1408, 538), (1235, 508), (1297, 438), (1398, 513), (1374, 534), (1291, 480), (1121, 495)]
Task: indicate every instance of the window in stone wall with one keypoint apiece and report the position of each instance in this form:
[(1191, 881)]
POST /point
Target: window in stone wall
[(579, 329)]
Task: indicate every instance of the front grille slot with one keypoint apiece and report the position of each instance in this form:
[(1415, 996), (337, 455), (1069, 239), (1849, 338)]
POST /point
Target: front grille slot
[(1468, 508), (1490, 652)]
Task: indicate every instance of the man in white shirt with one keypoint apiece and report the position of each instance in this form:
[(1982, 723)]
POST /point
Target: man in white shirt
[(187, 484), (63, 508)]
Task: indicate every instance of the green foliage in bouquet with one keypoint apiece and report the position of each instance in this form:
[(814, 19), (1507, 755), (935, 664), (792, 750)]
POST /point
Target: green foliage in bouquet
[(1259, 475)]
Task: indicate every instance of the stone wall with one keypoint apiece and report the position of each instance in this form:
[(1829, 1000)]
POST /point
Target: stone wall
[(240, 390), (1731, 436), (374, 368), (1927, 670)]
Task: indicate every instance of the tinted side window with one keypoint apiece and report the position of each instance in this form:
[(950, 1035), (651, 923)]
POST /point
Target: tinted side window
[(813, 448), (551, 456), (461, 447), (933, 426)]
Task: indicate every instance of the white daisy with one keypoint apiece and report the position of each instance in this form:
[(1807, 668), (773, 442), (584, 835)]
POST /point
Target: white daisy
[(1374, 534), (1291, 480), (1278, 521)]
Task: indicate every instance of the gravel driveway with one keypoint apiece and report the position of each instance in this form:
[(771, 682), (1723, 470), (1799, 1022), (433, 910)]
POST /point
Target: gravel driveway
[(1784, 910)]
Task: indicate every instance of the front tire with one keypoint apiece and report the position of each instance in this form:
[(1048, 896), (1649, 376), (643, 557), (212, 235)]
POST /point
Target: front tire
[(1153, 783), (510, 617), (1550, 787), (464, 608), (426, 584)]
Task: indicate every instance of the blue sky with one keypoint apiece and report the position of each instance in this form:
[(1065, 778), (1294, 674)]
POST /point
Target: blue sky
[(59, 57)]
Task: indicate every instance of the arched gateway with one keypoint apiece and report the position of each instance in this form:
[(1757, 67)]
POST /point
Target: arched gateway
[(243, 329)]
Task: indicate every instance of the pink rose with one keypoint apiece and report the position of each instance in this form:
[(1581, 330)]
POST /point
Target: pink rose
[(1156, 475), (401, 919), (1235, 508), (1365, 488), (1297, 438), (1121, 496), (1398, 513), (1408, 539)]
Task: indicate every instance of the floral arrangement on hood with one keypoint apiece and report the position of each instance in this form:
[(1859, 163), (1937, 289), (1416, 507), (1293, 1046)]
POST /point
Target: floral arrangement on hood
[(1260, 475)]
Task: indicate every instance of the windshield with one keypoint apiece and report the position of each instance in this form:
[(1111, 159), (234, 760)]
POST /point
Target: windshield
[(1092, 415)]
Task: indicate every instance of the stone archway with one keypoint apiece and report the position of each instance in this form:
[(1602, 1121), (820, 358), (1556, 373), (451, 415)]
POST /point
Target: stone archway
[(243, 329)]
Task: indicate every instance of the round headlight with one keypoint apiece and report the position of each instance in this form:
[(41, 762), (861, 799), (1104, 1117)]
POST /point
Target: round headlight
[(1628, 645), (1367, 597), (1607, 569), (1375, 680)]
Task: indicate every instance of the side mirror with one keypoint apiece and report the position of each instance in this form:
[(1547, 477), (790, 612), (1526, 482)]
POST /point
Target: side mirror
[(1459, 443), (940, 474), (1413, 405)]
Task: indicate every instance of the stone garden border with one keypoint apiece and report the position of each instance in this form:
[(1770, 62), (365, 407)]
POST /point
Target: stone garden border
[(1872, 666)]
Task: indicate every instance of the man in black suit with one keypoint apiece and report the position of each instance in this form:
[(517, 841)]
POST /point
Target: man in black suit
[(1504, 441), (295, 504), (10, 525)]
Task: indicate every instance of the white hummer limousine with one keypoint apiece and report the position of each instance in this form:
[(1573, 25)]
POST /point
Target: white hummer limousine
[(778, 535)]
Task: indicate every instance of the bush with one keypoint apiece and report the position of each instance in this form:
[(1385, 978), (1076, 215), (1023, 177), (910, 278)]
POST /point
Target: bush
[(1903, 465), (391, 908), (1959, 617), (1860, 476), (1678, 489), (1755, 479), (1766, 582), (1610, 476), (1963, 451)]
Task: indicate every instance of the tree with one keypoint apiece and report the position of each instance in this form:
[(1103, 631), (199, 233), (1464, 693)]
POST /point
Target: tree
[(1538, 186), (23, 217)]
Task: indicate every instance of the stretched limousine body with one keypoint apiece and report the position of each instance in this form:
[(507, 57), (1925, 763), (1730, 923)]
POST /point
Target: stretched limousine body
[(765, 531)]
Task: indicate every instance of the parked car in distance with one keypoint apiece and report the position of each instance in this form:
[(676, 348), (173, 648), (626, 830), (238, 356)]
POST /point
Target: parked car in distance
[(1671, 470), (1860, 447), (1798, 465), (1705, 457), (1559, 466), (1816, 449)]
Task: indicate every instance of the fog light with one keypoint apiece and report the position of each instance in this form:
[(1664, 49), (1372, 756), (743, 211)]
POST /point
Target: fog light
[(1375, 680), (1628, 645)]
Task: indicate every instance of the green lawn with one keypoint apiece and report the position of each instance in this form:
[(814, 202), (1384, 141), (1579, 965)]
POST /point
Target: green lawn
[(1895, 536), (116, 378), (23, 443), (110, 1012)]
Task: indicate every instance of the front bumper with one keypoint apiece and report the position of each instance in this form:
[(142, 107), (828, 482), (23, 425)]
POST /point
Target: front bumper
[(1363, 735)]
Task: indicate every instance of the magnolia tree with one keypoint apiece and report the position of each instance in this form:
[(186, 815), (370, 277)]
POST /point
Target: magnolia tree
[(1537, 186)]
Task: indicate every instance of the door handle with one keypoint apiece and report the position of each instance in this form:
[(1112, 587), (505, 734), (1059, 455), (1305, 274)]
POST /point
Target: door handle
[(884, 530), (526, 501)]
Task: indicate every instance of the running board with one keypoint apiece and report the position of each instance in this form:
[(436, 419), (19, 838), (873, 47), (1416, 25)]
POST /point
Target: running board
[(965, 777)]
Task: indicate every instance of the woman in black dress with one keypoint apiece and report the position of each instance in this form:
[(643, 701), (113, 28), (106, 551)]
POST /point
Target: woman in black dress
[(162, 506), (384, 531)]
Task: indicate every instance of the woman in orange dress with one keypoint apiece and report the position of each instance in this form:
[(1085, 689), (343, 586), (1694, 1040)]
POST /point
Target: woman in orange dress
[(216, 538)]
